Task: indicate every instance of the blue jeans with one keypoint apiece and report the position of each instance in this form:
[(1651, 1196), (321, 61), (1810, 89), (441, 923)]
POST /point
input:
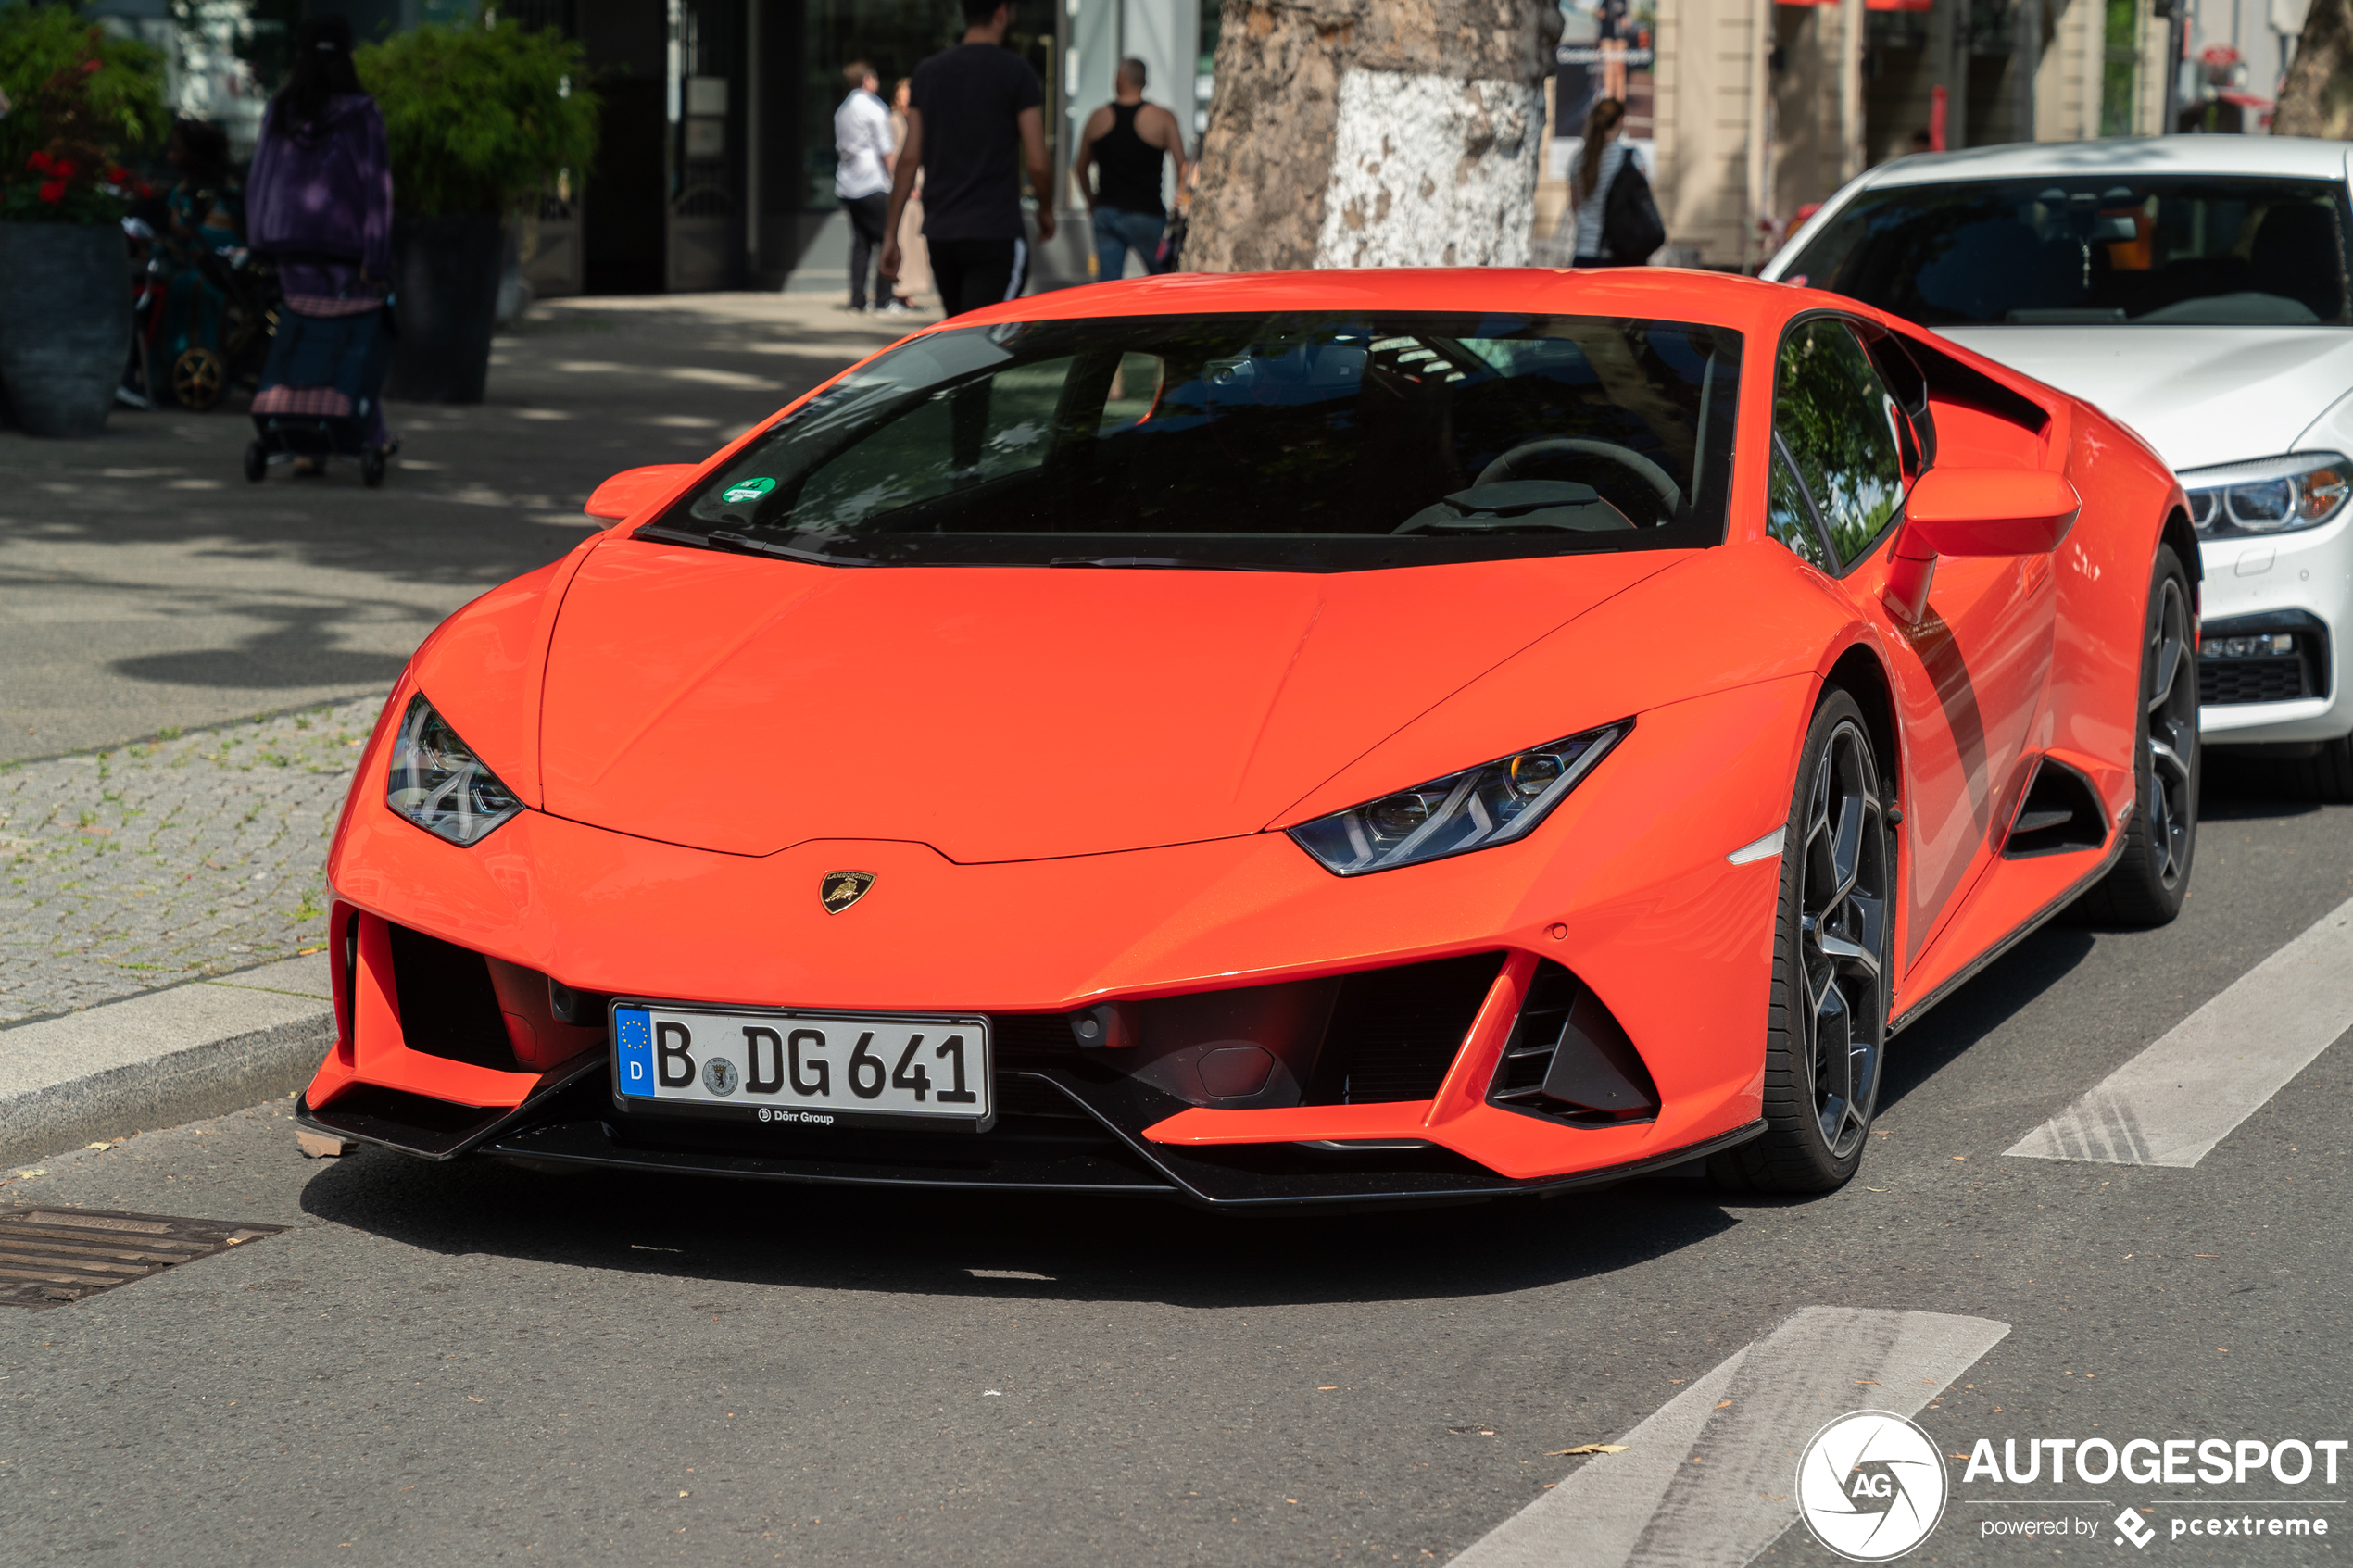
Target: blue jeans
[(1117, 233)]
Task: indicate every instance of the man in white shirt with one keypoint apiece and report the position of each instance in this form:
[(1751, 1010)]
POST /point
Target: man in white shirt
[(861, 178)]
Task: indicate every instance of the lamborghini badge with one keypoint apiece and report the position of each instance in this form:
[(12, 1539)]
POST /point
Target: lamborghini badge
[(841, 889)]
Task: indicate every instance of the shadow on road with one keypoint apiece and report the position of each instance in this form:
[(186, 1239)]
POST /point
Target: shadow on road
[(301, 650), (1058, 1249)]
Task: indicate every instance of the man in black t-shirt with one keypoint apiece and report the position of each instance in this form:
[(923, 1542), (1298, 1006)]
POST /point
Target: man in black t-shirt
[(972, 119)]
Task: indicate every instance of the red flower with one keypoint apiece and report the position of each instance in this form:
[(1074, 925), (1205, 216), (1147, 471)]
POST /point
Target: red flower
[(63, 169), (88, 68), (39, 163), (117, 176), (54, 191)]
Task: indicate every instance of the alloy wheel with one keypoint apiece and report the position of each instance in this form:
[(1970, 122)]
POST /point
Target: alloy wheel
[(1842, 907), (2170, 692)]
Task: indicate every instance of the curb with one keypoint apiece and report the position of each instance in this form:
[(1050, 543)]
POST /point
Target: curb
[(195, 1050)]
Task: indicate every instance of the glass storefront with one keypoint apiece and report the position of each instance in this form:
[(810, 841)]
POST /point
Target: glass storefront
[(892, 36)]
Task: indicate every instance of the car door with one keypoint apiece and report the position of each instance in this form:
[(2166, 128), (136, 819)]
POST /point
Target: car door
[(1970, 673)]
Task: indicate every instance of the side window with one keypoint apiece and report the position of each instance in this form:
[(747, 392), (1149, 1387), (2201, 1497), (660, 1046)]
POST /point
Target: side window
[(1835, 416), (966, 434), (1789, 516)]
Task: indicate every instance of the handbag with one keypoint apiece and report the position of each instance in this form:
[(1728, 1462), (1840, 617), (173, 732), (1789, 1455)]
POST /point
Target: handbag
[(1630, 226), (1171, 243)]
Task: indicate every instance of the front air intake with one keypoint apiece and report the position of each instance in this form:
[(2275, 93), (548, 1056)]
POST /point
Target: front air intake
[(1569, 1060)]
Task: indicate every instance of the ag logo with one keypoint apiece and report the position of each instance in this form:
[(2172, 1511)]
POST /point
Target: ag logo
[(841, 889), (2134, 1528), (1870, 1486)]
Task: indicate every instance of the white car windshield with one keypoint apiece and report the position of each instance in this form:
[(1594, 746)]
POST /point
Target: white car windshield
[(2185, 250)]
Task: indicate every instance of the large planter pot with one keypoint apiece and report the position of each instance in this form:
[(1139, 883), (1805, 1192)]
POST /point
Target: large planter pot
[(445, 299), (65, 324)]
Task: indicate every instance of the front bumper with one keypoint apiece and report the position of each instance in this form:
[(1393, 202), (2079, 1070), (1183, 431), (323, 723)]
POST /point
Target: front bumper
[(1624, 897), (2256, 581), (1094, 1150)]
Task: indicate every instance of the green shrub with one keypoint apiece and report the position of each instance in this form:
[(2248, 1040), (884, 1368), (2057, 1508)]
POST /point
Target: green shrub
[(479, 118), (77, 96)]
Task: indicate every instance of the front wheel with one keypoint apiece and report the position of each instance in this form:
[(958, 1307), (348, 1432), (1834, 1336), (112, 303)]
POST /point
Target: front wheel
[(1826, 1032), (2152, 873)]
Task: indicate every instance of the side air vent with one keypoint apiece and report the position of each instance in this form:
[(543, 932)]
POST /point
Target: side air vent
[(449, 1007), (1569, 1060), (2060, 815)]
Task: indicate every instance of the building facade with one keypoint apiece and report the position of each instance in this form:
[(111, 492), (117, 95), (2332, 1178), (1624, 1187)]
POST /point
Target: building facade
[(717, 169)]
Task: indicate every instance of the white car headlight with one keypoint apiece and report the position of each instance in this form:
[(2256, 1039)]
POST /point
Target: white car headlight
[(2268, 496), (1477, 808), (438, 783)]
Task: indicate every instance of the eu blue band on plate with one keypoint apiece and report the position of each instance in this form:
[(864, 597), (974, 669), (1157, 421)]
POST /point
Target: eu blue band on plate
[(633, 1030)]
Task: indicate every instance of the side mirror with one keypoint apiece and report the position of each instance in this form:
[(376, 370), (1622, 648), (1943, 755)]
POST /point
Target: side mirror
[(626, 492), (1974, 512)]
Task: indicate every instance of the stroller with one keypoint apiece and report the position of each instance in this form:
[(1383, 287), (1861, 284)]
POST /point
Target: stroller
[(320, 392), (205, 327)]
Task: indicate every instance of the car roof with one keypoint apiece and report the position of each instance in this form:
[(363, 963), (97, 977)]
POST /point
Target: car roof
[(2294, 156), (1658, 293)]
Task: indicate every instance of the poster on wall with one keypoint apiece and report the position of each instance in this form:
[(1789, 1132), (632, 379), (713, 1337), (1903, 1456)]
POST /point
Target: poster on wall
[(1605, 52)]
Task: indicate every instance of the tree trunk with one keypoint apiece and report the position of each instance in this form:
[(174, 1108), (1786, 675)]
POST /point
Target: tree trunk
[(2317, 98), (1373, 134)]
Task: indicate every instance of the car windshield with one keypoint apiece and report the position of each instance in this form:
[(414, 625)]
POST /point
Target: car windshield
[(1291, 443), (2092, 250)]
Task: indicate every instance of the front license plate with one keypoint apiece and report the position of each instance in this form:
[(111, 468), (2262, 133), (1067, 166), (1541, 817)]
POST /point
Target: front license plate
[(802, 1069)]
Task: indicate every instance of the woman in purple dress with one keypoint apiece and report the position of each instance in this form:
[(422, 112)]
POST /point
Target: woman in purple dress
[(319, 205)]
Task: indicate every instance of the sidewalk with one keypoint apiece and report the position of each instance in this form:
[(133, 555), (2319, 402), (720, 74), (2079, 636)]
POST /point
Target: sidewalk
[(145, 585), (155, 863), (150, 603)]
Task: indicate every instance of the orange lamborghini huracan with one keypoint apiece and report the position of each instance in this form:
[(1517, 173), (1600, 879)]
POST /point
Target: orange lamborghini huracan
[(1322, 737)]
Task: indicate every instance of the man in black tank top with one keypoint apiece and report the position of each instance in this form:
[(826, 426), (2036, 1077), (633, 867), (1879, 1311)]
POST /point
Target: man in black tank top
[(1125, 141)]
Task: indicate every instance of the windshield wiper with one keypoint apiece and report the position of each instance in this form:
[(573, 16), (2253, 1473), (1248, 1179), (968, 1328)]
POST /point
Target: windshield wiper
[(725, 539), (1163, 563)]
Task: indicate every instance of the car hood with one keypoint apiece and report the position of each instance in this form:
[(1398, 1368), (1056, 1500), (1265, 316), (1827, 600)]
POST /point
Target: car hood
[(2200, 396), (746, 705)]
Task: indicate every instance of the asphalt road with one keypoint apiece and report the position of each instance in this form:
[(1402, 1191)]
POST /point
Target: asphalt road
[(146, 588), (462, 1364)]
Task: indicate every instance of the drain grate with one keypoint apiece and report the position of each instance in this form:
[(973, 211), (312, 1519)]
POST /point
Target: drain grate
[(51, 1256)]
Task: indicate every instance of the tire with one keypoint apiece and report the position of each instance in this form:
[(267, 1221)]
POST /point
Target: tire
[(372, 467), (2327, 777), (1826, 1029), (2152, 875), (257, 462)]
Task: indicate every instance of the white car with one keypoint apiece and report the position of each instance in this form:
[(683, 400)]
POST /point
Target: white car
[(2195, 288)]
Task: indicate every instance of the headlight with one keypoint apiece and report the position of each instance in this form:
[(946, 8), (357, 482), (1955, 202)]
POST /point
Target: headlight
[(2268, 496), (1476, 808), (438, 783)]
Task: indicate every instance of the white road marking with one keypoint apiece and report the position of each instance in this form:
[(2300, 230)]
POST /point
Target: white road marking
[(1700, 1485), (2177, 1099)]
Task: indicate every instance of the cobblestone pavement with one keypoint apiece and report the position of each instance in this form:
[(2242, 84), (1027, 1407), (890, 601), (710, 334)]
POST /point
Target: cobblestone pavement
[(124, 869)]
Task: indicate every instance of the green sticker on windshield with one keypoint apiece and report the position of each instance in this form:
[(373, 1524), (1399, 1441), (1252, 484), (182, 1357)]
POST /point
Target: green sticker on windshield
[(750, 490)]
